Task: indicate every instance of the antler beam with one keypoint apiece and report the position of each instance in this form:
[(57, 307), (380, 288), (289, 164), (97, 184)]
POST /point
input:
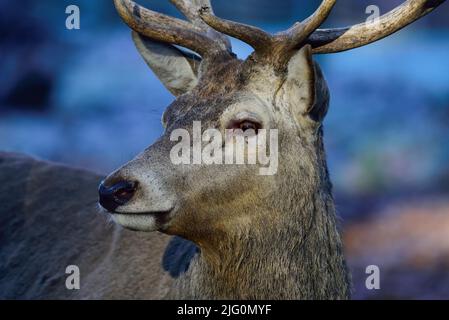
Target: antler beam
[(255, 37), (191, 10), (342, 39), (167, 29)]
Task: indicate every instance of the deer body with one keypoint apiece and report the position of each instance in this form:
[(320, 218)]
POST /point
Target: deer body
[(240, 235)]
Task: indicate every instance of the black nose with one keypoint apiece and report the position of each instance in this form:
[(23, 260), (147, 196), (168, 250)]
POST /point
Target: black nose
[(117, 194)]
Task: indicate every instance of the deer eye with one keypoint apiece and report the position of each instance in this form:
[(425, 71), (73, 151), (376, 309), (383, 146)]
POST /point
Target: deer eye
[(245, 125)]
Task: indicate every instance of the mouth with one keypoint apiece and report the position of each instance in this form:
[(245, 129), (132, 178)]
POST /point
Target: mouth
[(143, 221)]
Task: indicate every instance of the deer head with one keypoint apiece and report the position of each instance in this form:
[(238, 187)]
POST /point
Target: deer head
[(279, 86)]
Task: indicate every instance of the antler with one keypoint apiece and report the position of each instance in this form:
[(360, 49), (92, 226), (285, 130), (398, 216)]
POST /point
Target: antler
[(255, 37), (301, 31), (325, 40), (204, 33), (262, 41), (191, 10), (342, 39), (194, 35)]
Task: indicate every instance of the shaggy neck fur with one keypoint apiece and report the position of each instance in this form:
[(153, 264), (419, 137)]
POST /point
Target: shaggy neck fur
[(292, 250)]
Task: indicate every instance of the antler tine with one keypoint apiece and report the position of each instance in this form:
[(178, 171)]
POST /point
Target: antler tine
[(190, 9), (342, 39), (262, 41), (255, 37), (164, 28), (302, 30)]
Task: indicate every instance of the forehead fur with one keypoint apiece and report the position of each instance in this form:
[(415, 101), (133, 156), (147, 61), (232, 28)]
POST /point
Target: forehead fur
[(216, 89), (223, 85)]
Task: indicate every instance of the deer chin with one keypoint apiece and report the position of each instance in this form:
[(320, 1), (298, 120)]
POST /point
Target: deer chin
[(145, 221)]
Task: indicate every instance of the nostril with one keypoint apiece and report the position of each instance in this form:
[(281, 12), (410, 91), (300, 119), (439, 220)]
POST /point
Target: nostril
[(117, 194), (124, 191)]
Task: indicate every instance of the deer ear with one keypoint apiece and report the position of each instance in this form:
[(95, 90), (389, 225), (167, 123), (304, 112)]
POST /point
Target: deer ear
[(177, 69), (305, 87)]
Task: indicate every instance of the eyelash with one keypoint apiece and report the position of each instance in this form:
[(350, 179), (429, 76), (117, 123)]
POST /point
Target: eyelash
[(245, 125)]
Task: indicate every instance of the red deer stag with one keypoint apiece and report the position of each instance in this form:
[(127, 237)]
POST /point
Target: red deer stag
[(238, 234)]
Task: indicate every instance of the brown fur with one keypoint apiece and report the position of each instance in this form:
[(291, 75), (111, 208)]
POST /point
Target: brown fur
[(260, 237)]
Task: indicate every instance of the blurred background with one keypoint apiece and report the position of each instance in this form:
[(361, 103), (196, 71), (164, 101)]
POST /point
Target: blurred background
[(86, 98)]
